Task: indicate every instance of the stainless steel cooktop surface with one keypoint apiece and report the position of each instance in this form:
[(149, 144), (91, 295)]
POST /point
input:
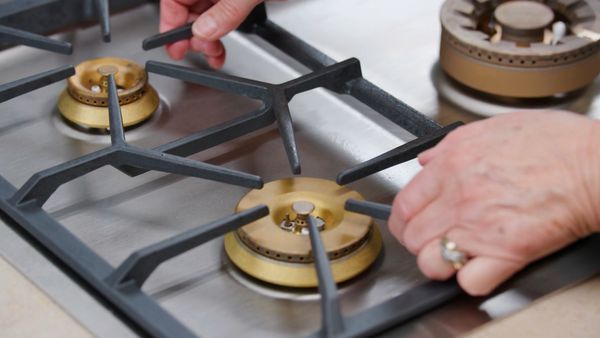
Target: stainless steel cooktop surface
[(115, 214)]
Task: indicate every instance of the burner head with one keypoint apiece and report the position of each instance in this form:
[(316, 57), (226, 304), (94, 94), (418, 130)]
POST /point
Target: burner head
[(523, 22), (277, 249), (521, 49), (85, 100)]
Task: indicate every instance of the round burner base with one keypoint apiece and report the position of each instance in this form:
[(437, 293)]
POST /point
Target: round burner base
[(482, 104), (96, 117), (84, 102), (300, 275), (271, 253)]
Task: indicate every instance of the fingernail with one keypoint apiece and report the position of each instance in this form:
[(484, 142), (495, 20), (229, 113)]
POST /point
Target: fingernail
[(205, 27)]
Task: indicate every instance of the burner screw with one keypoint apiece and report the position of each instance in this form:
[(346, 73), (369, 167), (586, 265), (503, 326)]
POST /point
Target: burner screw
[(303, 208), (523, 22), (299, 225), (105, 71)]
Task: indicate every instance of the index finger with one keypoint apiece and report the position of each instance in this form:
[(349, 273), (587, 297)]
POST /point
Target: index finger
[(174, 13), (223, 17)]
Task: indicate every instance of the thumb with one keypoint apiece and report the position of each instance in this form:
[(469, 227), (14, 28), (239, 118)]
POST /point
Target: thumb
[(223, 17)]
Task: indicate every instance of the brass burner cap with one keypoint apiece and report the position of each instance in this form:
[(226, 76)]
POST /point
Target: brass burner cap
[(521, 49), (272, 250), (523, 21), (85, 100)]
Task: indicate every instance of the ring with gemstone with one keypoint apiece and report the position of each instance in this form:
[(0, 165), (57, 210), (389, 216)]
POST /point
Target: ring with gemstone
[(451, 253)]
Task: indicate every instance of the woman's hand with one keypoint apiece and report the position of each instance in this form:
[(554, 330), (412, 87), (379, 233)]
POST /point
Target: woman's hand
[(507, 190), (212, 20)]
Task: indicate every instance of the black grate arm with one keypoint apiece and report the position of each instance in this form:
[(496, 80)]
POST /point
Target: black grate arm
[(15, 36), (336, 77), (140, 265), (286, 129), (401, 154), (42, 185), (399, 309), (259, 14), (392, 108), (290, 44), (102, 10), (219, 134), (174, 35), (375, 210), (228, 83), (379, 100), (276, 97), (332, 322), (129, 156), (19, 87), (204, 139), (117, 133), (153, 160), (361, 89)]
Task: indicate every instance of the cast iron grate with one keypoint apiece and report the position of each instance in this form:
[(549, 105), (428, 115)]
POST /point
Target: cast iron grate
[(121, 287), (21, 22), (40, 186)]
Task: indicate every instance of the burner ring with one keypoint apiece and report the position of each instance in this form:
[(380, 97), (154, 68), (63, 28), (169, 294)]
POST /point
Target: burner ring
[(85, 100), (476, 52), (266, 251), (301, 275), (130, 77), (95, 117)]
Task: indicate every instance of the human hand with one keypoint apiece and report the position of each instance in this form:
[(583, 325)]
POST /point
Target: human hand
[(507, 190), (213, 19)]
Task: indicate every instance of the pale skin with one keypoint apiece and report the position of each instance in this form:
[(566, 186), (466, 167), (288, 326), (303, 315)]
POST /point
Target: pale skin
[(508, 190), (213, 19)]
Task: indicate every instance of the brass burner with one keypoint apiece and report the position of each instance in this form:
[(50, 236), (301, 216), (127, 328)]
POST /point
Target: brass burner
[(521, 49), (270, 252), (85, 100)]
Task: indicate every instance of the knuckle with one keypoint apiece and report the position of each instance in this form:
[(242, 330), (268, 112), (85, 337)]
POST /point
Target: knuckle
[(455, 161), (231, 9), (396, 222), (395, 226), (458, 134), (399, 207), (412, 243), (518, 244), (520, 247), (415, 237), (454, 136)]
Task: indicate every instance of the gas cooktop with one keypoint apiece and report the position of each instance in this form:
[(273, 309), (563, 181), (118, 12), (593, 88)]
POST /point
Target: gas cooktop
[(128, 181)]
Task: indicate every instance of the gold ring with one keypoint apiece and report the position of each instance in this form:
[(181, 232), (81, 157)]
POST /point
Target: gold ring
[(451, 254)]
